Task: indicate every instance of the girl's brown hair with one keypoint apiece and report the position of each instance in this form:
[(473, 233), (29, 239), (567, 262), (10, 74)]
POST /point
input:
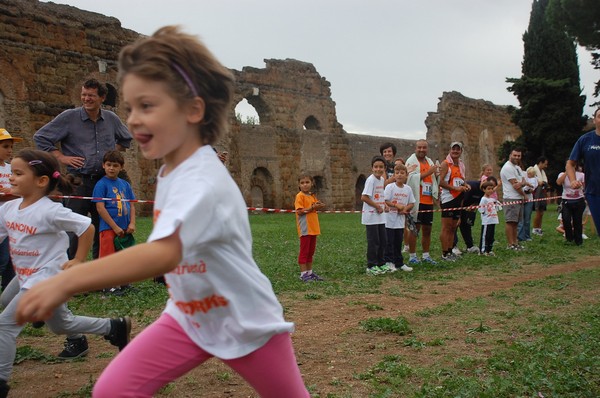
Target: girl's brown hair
[(44, 164), (189, 69)]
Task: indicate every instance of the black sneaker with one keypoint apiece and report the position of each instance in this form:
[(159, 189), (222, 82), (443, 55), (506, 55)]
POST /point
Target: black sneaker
[(74, 348), (4, 387), (120, 331)]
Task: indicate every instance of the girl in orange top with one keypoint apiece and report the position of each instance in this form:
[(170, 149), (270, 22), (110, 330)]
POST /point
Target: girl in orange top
[(307, 222)]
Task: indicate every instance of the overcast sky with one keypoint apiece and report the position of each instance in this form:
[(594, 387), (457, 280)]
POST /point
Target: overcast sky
[(388, 61)]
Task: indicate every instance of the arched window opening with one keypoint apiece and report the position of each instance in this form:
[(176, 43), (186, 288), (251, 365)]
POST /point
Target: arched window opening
[(111, 96), (246, 113), (311, 123)]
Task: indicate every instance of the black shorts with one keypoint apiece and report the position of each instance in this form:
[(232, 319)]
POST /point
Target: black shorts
[(455, 204), (540, 205), (425, 218)]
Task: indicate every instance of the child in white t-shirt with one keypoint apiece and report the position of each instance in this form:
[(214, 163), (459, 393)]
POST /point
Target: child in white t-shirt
[(400, 200), (373, 217), (488, 207), (37, 228), (6, 149), (220, 304)]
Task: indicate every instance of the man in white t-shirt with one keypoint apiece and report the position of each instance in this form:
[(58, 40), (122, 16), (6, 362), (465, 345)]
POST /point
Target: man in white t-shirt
[(513, 180)]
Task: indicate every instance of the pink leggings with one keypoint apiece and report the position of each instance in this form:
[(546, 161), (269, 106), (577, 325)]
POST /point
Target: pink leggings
[(163, 352)]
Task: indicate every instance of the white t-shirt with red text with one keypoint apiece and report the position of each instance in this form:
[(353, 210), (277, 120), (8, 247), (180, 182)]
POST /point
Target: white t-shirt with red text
[(38, 237), (569, 193), (395, 194), (374, 189), (218, 294)]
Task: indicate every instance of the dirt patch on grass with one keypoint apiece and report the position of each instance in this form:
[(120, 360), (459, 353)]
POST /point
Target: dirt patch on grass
[(330, 346)]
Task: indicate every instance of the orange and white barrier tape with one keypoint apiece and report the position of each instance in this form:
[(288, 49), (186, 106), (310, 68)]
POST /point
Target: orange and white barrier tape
[(269, 210)]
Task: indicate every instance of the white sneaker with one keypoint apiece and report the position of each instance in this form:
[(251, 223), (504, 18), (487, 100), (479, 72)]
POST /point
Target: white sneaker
[(456, 251), (406, 268), (385, 268), (405, 249), (473, 249), (584, 236), (391, 267)]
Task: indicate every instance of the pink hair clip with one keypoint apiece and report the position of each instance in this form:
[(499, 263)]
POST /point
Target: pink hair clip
[(56, 174)]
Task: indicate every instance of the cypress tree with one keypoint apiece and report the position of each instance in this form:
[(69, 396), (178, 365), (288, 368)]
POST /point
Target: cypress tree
[(549, 92), (581, 19)]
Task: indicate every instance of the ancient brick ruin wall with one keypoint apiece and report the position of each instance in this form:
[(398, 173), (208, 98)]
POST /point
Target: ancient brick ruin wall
[(298, 133), (47, 50), (480, 125)]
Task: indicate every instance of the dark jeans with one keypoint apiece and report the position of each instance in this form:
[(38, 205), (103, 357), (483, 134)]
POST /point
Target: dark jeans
[(376, 240), (393, 247), (467, 220), (87, 208), (572, 216)]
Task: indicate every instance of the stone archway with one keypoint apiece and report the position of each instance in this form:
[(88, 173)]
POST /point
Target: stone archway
[(256, 196), (261, 188), (358, 189), (111, 96)]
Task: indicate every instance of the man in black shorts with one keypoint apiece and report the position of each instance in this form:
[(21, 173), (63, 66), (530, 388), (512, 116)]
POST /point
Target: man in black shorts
[(453, 188)]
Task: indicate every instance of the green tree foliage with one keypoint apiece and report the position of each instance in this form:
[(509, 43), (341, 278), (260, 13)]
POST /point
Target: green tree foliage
[(549, 93), (581, 19)]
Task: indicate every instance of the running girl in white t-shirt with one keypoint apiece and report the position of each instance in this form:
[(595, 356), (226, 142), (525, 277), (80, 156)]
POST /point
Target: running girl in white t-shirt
[(178, 98), (37, 229)]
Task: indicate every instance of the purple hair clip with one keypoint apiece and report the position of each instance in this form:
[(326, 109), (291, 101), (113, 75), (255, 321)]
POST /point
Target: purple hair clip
[(56, 174), (185, 77)]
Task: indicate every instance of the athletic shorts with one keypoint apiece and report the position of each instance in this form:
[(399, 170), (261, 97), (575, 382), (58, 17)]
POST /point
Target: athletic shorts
[(455, 203), (427, 217)]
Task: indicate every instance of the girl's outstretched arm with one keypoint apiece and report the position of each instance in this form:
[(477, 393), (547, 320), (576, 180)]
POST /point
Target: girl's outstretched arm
[(136, 263)]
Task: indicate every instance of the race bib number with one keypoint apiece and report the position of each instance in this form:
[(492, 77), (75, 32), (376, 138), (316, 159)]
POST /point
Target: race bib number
[(426, 188), (458, 182)]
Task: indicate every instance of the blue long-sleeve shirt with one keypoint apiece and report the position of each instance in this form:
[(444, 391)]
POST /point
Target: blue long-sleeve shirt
[(79, 135)]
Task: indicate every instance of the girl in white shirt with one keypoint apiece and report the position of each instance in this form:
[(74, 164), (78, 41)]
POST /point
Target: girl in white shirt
[(37, 229), (573, 206), (178, 98)]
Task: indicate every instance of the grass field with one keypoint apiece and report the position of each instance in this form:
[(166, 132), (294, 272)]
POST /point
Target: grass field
[(539, 338)]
